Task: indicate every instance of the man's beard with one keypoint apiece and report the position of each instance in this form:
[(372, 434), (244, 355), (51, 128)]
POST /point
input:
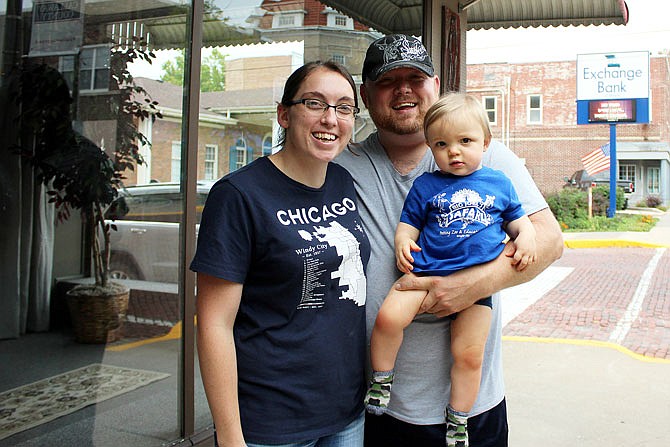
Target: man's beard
[(387, 121)]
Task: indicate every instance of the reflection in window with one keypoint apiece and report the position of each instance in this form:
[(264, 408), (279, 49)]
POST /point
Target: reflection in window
[(211, 158), (175, 167), (339, 58), (339, 21), (240, 153), (287, 20), (267, 145), (93, 68)]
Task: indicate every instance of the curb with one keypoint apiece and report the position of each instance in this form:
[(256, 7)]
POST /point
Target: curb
[(608, 243)]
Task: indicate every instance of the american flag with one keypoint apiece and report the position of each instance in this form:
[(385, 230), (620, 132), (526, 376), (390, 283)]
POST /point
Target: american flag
[(597, 160)]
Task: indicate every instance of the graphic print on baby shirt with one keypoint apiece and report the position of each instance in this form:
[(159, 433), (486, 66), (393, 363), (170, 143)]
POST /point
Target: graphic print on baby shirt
[(350, 273), (464, 207)]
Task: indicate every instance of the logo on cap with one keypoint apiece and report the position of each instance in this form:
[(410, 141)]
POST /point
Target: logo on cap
[(396, 51)]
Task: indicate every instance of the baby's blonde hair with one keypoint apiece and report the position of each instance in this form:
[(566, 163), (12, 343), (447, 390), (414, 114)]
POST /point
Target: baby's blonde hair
[(454, 106)]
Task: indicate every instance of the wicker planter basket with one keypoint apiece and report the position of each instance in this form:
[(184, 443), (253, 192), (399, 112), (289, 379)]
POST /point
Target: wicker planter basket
[(97, 318)]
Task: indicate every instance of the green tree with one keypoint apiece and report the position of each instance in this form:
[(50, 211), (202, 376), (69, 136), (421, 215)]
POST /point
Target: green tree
[(212, 71)]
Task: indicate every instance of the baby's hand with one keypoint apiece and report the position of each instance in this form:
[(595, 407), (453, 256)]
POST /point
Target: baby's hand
[(403, 255), (525, 253)]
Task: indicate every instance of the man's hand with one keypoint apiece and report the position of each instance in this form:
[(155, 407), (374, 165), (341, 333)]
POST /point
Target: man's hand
[(446, 294), (462, 289)]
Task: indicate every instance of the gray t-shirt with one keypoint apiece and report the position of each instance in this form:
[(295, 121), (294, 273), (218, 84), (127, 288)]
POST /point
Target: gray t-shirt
[(421, 385)]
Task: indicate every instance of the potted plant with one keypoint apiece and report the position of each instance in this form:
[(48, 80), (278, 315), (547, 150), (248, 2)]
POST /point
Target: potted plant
[(82, 176)]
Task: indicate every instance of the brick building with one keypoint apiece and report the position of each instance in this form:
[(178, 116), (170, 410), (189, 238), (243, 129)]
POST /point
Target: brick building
[(326, 33), (533, 110), (234, 129), (531, 106)]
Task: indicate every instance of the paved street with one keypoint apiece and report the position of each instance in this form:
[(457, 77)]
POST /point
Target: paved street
[(586, 343), (614, 295)]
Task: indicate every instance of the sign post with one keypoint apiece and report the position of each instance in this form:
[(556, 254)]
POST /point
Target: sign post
[(613, 88), (613, 171)]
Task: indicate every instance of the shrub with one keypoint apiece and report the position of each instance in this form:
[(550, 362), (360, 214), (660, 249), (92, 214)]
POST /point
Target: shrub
[(570, 206), (653, 201), (601, 200)]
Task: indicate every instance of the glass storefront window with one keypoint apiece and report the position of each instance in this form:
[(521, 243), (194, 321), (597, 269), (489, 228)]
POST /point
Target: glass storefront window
[(122, 63)]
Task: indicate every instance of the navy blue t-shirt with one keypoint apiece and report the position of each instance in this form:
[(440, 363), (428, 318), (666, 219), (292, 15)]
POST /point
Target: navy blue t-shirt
[(299, 334)]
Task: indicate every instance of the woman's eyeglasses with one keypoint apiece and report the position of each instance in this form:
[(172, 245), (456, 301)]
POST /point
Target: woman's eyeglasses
[(316, 106)]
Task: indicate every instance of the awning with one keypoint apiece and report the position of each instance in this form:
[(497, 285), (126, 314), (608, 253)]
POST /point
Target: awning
[(163, 23), (406, 16)]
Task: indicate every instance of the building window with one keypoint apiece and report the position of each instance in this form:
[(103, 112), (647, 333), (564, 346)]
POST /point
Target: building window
[(654, 180), (211, 161), (240, 153), (491, 105), (339, 58), (175, 167), (534, 109), (627, 172), (287, 20), (267, 145), (93, 68), (339, 21)]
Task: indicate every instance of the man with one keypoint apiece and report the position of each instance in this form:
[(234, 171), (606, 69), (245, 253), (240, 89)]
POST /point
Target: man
[(399, 85)]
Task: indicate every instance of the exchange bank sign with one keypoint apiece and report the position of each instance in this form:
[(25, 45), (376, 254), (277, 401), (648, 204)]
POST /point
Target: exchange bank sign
[(613, 87)]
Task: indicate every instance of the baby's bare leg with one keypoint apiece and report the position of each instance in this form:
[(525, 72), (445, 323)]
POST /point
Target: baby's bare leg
[(468, 339), (396, 313)]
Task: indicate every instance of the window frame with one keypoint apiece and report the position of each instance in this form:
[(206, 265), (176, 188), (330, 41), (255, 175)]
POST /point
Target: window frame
[(624, 172), (654, 180), (530, 111), (240, 153), (70, 60), (281, 20), (211, 163), (266, 145), (175, 162), (493, 110)]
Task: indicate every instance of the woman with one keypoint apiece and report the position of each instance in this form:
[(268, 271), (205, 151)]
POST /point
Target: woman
[(281, 286)]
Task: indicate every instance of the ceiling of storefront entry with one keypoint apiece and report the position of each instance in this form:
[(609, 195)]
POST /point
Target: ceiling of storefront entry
[(406, 16)]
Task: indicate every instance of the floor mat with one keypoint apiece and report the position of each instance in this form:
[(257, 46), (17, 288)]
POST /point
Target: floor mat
[(31, 405)]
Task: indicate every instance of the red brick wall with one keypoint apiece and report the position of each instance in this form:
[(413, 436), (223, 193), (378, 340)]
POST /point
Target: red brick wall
[(314, 16), (166, 131), (553, 149)]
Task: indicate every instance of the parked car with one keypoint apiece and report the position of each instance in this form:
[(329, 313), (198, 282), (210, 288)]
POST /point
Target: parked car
[(145, 245), (582, 180)]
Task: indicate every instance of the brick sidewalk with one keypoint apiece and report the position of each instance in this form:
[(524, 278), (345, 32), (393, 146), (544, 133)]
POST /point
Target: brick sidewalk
[(589, 303)]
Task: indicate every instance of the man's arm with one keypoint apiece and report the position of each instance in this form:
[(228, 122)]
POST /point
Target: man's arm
[(455, 292)]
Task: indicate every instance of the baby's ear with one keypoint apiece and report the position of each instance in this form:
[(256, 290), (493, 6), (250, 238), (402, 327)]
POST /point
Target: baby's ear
[(487, 141)]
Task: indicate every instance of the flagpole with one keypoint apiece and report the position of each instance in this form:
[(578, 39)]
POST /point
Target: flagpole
[(613, 171)]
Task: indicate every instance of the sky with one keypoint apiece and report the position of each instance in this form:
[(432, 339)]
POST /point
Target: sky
[(648, 29)]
